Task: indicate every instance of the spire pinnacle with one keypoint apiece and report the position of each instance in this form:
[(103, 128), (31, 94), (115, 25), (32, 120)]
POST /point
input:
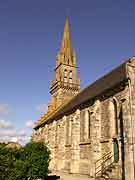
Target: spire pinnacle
[(66, 41)]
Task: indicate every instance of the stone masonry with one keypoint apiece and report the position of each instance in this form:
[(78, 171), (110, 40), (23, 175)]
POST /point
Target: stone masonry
[(90, 125)]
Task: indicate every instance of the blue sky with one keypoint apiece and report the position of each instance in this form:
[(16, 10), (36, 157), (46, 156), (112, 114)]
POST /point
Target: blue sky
[(103, 35)]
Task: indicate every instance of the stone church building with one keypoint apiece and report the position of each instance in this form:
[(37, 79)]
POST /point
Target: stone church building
[(90, 131)]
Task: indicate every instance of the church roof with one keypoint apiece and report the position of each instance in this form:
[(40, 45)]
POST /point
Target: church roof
[(110, 80)]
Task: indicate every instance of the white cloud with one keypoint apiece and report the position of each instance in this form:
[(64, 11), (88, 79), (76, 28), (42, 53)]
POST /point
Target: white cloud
[(21, 140), (24, 140), (29, 124), (12, 132), (42, 108), (4, 109), (13, 135), (8, 132), (5, 124), (14, 139)]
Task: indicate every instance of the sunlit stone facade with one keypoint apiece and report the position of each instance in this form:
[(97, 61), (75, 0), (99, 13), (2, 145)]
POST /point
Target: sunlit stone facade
[(93, 123)]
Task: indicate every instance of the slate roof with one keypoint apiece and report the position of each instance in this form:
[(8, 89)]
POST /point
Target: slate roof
[(113, 78)]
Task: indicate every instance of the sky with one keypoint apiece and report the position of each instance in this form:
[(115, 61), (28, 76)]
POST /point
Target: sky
[(102, 33)]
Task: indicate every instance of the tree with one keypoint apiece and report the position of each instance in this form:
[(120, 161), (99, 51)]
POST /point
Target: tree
[(8, 158), (27, 163), (36, 160)]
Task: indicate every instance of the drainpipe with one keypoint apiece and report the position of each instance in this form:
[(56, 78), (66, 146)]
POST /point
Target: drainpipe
[(131, 117)]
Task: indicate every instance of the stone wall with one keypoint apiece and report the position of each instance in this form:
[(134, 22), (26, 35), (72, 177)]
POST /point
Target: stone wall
[(78, 140)]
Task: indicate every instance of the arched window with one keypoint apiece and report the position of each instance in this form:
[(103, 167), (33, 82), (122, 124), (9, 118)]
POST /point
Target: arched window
[(89, 123), (65, 73), (65, 79), (85, 121), (86, 125), (70, 74), (115, 113), (113, 118), (70, 81)]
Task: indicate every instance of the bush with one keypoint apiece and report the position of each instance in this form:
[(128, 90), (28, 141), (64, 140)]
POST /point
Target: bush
[(27, 163)]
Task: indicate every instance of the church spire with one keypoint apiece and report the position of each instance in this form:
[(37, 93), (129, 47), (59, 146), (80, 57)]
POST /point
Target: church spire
[(66, 40), (65, 83), (65, 55)]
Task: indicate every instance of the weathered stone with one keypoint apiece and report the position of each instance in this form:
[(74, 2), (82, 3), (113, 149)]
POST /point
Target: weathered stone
[(93, 137)]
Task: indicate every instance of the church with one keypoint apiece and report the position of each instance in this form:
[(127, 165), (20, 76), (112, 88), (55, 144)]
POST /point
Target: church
[(90, 131)]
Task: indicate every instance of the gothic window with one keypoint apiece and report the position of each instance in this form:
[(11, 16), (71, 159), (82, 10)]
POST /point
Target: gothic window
[(65, 79), (114, 120), (87, 125), (70, 81), (65, 73), (68, 130), (82, 117), (70, 74)]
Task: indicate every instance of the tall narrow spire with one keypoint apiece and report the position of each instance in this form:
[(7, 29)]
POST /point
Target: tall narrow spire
[(66, 41), (65, 83)]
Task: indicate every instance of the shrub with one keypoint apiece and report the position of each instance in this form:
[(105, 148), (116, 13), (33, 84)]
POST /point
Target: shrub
[(29, 162)]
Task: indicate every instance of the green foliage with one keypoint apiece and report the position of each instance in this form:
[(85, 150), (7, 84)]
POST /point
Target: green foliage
[(27, 163)]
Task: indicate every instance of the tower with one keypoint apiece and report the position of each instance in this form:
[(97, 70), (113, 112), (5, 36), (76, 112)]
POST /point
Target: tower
[(65, 83)]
